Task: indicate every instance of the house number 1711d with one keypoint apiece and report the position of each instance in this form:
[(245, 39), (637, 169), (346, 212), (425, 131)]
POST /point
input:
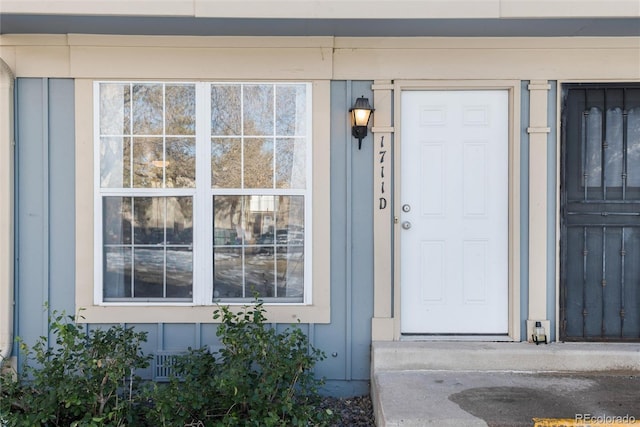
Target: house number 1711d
[(382, 153)]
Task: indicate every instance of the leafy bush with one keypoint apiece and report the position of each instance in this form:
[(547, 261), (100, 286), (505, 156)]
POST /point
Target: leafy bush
[(260, 377), (83, 380)]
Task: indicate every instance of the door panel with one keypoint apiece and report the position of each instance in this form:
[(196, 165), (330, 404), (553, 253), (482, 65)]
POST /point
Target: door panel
[(454, 242), (600, 213)]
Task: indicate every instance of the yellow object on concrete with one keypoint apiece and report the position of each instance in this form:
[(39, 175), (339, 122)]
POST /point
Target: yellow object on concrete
[(586, 420)]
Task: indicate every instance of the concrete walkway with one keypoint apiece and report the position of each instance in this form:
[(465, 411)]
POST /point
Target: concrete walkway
[(503, 384)]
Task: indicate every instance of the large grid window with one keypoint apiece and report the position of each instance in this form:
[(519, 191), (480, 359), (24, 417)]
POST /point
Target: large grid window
[(201, 192)]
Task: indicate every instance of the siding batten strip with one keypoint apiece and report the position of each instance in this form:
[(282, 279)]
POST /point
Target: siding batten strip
[(46, 244)]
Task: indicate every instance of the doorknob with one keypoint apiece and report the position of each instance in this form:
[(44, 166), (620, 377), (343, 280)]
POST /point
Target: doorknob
[(406, 225)]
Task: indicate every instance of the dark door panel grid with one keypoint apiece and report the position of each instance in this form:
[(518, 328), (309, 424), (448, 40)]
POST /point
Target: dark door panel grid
[(600, 213)]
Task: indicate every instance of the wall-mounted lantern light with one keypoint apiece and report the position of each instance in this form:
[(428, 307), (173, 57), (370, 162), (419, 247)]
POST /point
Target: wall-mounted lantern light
[(360, 115)]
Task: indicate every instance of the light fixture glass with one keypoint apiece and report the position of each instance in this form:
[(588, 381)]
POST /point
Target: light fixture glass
[(360, 115)]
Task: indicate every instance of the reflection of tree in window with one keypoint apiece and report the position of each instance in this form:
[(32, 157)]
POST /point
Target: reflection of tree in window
[(257, 110), (147, 162), (147, 109), (226, 155), (290, 163), (156, 110), (225, 110), (180, 164), (148, 144), (291, 108), (258, 163), (180, 115)]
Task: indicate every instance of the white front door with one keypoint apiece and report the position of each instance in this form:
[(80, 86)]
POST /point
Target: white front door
[(454, 199)]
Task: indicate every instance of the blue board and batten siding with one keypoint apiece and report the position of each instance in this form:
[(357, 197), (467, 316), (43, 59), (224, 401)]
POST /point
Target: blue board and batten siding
[(45, 234), (45, 207), (45, 230)]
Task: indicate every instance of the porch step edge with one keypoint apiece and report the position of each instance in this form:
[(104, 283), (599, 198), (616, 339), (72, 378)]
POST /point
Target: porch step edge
[(504, 356)]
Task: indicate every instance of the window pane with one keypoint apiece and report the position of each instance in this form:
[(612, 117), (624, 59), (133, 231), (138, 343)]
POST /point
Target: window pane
[(291, 163), (148, 163), (115, 109), (291, 110), (180, 163), (226, 162), (258, 110), (161, 248), (180, 115), (259, 219), (290, 214), (179, 273), (147, 109), (259, 214), (117, 272), (228, 277), (115, 162), (116, 220), (225, 110), (259, 246), (260, 274), (148, 272), (148, 226), (227, 220), (290, 264), (258, 163), (179, 229)]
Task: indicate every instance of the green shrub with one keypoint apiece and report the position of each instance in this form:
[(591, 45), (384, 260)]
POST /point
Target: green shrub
[(85, 379), (260, 377)]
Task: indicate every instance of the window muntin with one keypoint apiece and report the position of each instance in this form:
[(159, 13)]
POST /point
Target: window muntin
[(152, 182)]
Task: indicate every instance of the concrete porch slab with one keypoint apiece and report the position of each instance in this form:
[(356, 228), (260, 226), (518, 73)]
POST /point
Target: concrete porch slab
[(501, 384)]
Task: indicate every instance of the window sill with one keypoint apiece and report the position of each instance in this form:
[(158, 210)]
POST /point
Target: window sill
[(189, 313)]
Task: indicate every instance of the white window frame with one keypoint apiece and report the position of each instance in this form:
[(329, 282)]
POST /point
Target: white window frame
[(202, 202)]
